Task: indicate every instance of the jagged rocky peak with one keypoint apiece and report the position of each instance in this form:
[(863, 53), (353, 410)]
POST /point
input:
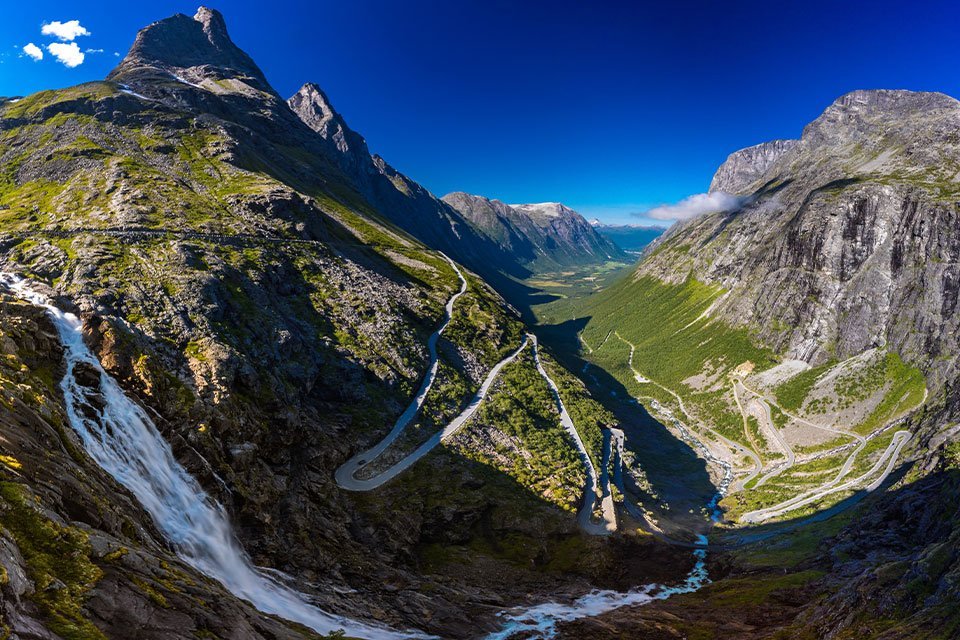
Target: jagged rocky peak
[(744, 167), (867, 105), (864, 132), (214, 26), (313, 107), (188, 49)]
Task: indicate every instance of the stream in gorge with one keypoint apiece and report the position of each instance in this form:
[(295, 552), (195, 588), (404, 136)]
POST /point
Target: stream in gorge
[(540, 622)]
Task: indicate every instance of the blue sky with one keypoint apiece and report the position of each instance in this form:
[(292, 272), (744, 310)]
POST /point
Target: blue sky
[(612, 108)]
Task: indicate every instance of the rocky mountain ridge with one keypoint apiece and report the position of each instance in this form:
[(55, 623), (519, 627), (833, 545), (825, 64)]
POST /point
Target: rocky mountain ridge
[(496, 241), (550, 234), (401, 200), (744, 167), (854, 221)]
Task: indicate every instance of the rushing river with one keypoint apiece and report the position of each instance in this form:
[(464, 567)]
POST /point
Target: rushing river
[(540, 621), (125, 442)]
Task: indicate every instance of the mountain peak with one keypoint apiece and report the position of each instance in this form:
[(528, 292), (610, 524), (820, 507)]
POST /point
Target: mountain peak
[(192, 48), (313, 107), (882, 111), (541, 211), (895, 100), (548, 232), (213, 24), (743, 168)]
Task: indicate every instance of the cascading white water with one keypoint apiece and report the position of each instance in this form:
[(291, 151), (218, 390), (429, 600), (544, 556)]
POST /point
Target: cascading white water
[(124, 441), (541, 621)]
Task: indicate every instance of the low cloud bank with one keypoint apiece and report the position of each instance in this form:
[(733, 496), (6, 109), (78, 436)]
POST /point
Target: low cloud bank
[(695, 205)]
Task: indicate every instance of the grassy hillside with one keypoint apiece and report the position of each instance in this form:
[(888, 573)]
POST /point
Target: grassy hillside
[(687, 361)]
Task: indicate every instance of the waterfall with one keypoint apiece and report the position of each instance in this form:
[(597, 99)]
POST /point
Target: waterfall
[(125, 442)]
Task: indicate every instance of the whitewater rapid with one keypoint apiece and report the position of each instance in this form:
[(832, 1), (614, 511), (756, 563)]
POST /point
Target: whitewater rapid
[(125, 442), (541, 621)]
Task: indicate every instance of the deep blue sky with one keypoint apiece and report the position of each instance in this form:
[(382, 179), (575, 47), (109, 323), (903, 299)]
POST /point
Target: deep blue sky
[(609, 108)]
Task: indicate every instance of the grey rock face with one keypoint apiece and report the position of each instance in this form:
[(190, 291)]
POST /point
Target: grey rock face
[(851, 241), (311, 104), (181, 42), (547, 232), (744, 167)]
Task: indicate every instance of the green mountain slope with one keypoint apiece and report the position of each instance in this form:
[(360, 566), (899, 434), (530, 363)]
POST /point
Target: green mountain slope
[(813, 315)]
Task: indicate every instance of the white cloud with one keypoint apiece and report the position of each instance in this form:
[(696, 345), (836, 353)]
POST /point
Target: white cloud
[(68, 54), (695, 205), (33, 51), (93, 51), (66, 31)]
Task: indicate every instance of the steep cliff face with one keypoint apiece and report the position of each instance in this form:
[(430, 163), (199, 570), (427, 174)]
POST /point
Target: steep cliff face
[(846, 241), (547, 235), (744, 167)]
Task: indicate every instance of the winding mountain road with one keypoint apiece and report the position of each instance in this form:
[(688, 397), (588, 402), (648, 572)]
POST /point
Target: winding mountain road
[(346, 474), (727, 442), (847, 464), (593, 490), (889, 458), (881, 469), (771, 428)]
